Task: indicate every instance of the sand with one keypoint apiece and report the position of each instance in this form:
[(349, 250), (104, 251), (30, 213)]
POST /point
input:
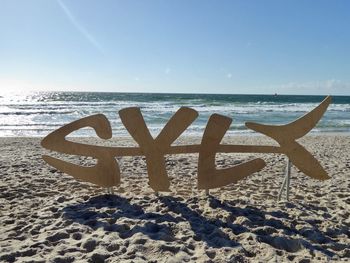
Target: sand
[(47, 216)]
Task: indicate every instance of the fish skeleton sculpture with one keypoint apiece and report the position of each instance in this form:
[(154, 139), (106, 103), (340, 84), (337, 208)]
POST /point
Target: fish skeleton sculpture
[(106, 172)]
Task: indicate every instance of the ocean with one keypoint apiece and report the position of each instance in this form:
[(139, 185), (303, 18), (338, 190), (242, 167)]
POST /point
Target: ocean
[(39, 113)]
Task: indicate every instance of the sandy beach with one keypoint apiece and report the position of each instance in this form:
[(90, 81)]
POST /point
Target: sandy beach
[(47, 216)]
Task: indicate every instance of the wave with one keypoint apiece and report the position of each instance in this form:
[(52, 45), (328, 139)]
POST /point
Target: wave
[(157, 111), (41, 113), (34, 112)]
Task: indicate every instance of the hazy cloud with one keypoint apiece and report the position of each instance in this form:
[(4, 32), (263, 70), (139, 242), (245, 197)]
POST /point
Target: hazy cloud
[(330, 86)]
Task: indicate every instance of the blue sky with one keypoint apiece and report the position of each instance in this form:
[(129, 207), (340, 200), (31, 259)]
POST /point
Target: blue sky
[(287, 47)]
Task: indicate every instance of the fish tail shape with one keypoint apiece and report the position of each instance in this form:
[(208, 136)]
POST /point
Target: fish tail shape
[(286, 135)]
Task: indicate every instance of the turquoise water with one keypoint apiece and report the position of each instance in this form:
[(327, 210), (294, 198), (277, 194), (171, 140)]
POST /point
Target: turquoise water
[(38, 113)]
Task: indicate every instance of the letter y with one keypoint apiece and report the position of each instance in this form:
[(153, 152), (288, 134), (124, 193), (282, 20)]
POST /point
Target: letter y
[(155, 149)]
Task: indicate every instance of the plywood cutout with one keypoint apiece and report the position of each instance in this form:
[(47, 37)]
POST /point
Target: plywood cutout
[(286, 135), (106, 172), (155, 149), (208, 176)]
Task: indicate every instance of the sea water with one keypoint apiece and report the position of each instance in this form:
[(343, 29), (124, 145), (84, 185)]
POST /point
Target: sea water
[(39, 113)]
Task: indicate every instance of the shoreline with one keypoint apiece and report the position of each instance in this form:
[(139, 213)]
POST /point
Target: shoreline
[(49, 216)]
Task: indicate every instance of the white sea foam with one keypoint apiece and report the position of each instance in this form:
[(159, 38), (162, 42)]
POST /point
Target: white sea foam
[(38, 114)]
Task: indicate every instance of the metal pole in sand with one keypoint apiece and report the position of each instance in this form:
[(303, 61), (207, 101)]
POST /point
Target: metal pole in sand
[(286, 181), (289, 165), (110, 190)]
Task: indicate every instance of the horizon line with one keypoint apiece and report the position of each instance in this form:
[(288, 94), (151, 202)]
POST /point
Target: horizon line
[(172, 93)]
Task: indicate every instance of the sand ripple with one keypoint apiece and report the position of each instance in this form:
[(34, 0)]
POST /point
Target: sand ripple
[(48, 216)]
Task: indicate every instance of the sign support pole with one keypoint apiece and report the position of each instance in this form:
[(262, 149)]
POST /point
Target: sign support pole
[(286, 181)]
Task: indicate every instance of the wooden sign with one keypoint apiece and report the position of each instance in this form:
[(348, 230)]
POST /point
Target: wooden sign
[(106, 172)]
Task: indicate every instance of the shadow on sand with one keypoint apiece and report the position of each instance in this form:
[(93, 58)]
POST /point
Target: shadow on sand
[(276, 228)]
